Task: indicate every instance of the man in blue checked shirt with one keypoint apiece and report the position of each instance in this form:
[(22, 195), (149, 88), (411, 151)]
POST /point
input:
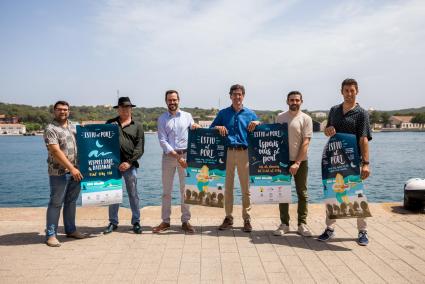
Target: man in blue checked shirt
[(235, 122), (173, 135)]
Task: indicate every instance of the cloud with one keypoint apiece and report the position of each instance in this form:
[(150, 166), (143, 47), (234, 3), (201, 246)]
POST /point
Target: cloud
[(202, 47)]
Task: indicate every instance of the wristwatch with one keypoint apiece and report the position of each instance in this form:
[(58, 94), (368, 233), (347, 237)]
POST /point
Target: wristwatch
[(365, 162)]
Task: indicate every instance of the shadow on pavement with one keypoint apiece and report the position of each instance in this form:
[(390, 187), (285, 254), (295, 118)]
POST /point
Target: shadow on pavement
[(290, 239), (402, 210), (18, 239), (30, 238)]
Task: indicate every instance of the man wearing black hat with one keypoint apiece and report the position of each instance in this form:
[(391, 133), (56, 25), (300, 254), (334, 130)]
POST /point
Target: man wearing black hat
[(132, 143)]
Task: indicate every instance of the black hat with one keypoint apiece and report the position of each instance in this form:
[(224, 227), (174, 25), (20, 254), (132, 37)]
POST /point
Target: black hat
[(124, 101)]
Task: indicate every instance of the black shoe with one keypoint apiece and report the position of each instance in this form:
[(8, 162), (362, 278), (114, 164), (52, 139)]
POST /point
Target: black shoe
[(111, 227), (137, 229), (247, 226), (227, 224)]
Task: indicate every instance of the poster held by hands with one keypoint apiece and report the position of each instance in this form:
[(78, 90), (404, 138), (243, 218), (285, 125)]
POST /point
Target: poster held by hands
[(99, 159), (344, 195), (206, 171), (270, 180)]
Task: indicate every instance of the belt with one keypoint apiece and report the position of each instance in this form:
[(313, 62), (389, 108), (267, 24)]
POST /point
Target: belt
[(237, 148), (181, 152)]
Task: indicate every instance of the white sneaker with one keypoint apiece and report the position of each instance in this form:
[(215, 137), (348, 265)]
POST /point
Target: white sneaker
[(304, 231), (283, 229)]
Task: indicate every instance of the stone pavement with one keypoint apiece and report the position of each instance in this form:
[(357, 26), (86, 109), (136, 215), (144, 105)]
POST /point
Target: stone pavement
[(396, 253)]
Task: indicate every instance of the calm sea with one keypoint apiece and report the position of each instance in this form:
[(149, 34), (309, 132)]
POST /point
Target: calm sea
[(395, 157)]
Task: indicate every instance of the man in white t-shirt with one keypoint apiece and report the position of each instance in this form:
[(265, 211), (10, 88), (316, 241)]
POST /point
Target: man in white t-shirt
[(300, 131)]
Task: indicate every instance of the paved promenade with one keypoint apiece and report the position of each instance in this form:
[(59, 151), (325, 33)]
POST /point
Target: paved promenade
[(396, 253)]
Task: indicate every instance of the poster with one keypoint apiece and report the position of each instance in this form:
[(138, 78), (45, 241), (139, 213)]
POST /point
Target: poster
[(270, 180), (99, 158), (206, 171), (343, 187)]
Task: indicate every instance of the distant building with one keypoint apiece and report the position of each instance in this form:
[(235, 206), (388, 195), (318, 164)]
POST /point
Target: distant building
[(9, 120), (404, 122), (12, 129), (377, 126), (205, 123), (319, 114)]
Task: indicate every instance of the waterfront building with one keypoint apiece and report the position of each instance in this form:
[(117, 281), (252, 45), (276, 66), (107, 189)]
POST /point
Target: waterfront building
[(9, 120), (205, 123), (404, 122), (12, 129), (319, 114)]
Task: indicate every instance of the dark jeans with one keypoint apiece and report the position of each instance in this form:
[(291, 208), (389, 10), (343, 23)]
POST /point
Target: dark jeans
[(130, 178), (301, 186), (63, 190)]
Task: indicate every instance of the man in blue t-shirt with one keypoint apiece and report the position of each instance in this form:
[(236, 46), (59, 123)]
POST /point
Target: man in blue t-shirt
[(235, 122)]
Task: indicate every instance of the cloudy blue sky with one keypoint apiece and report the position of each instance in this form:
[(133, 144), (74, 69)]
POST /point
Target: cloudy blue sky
[(84, 51)]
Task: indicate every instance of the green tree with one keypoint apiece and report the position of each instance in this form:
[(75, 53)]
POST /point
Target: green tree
[(375, 117), (385, 118), (419, 118)]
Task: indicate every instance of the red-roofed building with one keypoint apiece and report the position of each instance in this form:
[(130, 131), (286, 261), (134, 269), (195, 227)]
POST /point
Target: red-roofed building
[(404, 122)]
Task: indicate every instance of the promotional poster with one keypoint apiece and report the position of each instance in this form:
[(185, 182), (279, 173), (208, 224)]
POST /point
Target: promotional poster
[(343, 187), (270, 180), (206, 171), (99, 159)]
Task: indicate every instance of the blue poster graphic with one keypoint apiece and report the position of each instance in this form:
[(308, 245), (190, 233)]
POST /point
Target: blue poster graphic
[(206, 171), (99, 159), (343, 187), (270, 180)]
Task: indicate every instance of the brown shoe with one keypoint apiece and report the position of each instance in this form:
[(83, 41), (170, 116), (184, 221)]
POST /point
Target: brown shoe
[(227, 224), (247, 226), (188, 228), (53, 242), (161, 228), (77, 235)]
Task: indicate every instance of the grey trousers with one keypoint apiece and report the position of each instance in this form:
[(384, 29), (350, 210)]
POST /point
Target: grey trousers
[(169, 167)]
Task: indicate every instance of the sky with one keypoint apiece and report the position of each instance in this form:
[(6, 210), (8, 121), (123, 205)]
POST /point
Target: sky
[(89, 52)]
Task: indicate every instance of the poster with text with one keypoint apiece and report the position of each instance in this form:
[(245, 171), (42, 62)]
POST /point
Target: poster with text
[(99, 159), (270, 180), (206, 171), (343, 187)]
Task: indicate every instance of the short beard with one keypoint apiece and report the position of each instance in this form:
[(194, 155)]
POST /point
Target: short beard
[(60, 120), (294, 107), (173, 107)]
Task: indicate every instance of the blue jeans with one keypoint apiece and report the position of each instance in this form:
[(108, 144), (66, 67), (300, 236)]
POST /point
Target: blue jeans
[(130, 178), (63, 190)]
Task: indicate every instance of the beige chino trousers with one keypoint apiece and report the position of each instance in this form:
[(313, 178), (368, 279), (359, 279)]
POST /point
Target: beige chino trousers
[(237, 159), (361, 223)]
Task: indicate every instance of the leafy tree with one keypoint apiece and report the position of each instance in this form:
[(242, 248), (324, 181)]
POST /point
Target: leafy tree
[(385, 118), (375, 117), (419, 118)]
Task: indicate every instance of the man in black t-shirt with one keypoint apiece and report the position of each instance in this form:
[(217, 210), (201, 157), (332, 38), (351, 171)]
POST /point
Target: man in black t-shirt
[(132, 146), (349, 117)]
